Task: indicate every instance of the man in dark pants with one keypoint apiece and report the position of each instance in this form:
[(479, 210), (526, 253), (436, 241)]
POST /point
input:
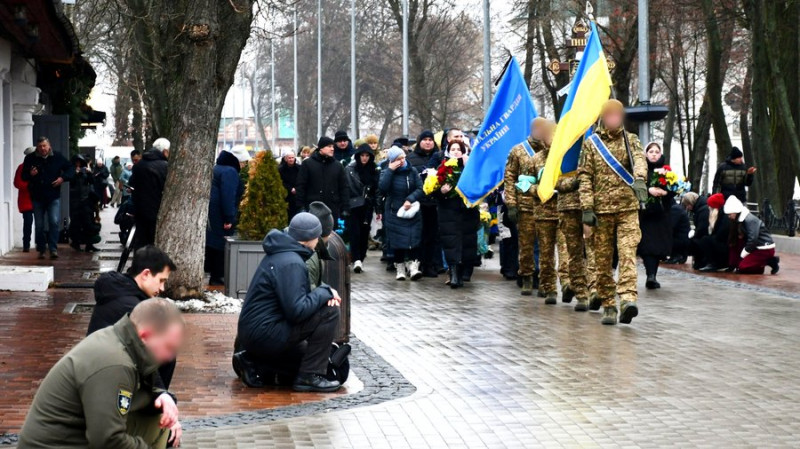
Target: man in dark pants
[(323, 178), (147, 184), (281, 313), (45, 170), (431, 248)]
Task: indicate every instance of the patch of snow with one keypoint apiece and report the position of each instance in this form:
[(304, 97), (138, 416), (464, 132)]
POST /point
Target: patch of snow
[(212, 302)]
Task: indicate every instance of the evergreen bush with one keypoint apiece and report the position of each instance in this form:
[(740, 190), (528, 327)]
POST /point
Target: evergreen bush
[(264, 203)]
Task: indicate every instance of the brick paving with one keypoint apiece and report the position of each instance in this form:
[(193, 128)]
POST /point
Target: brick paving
[(710, 362)]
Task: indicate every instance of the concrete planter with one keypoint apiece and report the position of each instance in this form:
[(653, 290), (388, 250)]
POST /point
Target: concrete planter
[(241, 261)]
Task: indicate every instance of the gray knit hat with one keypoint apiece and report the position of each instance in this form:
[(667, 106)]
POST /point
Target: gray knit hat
[(323, 213), (305, 227)]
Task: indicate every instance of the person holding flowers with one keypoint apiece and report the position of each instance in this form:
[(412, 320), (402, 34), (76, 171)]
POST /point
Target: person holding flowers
[(458, 224), (654, 218)]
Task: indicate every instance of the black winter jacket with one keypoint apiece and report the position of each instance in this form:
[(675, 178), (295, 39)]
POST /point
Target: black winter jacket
[(679, 220), (279, 296), (363, 181), (419, 160), (50, 168), (700, 216), (323, 179), (397, 187), (115, 295), (147, 180), (731, 179)]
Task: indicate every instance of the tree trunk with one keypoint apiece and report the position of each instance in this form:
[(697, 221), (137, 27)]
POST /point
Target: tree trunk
[(744, 131), (193, 47), (700, 148), (718, 42), (530, 32)]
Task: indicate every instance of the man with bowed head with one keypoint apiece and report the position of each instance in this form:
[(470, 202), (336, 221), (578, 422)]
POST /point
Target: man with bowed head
[(323, 178), (610, 200), (281, 313), (101, 393)]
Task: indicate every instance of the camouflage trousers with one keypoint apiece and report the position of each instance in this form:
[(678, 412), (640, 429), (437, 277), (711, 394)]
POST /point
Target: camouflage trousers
[(527, 240), (571, 227), (563, 258), (624, 228), (546, 232)]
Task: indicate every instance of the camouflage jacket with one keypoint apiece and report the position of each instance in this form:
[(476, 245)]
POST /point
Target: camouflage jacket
[(520, 163), (543, 211), (568, 197), (601, 188)]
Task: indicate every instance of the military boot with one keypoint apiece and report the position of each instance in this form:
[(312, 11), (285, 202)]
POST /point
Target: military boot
[(527, 286), (628, 310), (567, 294), (582, 305), (609, 316), (536, 279), (594, 301), (551, 298)]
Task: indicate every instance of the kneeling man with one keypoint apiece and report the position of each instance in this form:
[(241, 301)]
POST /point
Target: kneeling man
[(102, 394), (282, 317)]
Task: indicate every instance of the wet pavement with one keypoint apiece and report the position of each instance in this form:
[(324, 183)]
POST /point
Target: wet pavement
[(709, 362)]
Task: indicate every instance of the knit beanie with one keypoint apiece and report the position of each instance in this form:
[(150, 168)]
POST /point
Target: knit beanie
[(324, 215), (716, 201), (394, 153), (733, 205), (324, 141), (305, 227), (340, 135), (736, 153)]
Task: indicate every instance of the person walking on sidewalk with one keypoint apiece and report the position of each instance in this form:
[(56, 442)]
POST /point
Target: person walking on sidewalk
[(101, 394), (755, 248), (147, 181), (362, 176), (24, 204), (45, 171), (612, 175), (401, 186), (281, 312), (430, 248), (569, 222), (654, 219), (116, 173)]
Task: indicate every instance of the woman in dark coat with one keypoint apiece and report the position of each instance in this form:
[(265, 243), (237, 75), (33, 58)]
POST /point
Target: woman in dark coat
[(82, 206), (362, 177), (101, 175), (458, 227), (654, 220), (223, 211), (289, 169), (710, 250), (401, 186)]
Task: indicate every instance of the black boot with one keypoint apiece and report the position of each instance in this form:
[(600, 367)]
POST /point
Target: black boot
[(651, 283), (536, 280), (315, 383), (453, 282), (466, 272), (774, 264), (247, 370)]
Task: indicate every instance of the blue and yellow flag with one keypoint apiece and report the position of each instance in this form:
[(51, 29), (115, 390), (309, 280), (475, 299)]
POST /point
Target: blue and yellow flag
[(507, 123), (590, 88)]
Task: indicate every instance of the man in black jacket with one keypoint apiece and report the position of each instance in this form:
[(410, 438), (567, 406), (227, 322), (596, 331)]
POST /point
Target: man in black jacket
[(322, 178), (45, 171), (430, 249), (147, 183), (281, 313), (344, 147), (733, 176)]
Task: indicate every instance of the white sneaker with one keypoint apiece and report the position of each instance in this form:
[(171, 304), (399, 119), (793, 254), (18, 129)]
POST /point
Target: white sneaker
[(358, 267), (413, 270), (401, 271)]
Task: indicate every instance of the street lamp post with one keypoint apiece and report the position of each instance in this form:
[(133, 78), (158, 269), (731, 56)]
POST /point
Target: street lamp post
[(274, 132), (319, 68), (405, 67), (644, 66), (294, 97), (353, 112), (487, 58)]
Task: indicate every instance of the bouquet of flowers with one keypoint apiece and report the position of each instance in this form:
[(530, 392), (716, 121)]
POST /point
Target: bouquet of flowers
[(448, 173), (665, 178)]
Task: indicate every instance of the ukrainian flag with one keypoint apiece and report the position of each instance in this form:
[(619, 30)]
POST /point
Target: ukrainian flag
[(590, 88)]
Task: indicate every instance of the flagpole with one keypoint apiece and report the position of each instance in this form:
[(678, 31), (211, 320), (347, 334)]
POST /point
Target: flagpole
[(487, 58), (319, 68), (353, 114), (294, 101), (405, 67)]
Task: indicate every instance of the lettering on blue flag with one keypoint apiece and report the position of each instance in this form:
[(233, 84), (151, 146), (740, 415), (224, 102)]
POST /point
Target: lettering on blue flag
[(507, 123)]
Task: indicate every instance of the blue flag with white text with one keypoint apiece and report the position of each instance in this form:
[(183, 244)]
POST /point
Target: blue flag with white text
[(506, 124)]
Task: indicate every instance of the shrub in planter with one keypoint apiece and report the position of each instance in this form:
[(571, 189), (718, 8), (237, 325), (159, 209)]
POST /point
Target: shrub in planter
[(264, 205)]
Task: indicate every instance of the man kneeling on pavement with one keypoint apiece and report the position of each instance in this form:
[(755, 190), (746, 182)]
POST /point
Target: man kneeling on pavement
[(102, 394), (284, 323)]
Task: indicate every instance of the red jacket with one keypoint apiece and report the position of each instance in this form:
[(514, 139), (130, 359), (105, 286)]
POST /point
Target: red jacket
[(24, 199)]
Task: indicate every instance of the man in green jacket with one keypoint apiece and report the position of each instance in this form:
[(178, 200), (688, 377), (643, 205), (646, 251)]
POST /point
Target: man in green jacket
[(101, 393)]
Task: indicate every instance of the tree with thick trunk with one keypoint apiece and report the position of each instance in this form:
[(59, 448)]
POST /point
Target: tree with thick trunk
[(188, 51)]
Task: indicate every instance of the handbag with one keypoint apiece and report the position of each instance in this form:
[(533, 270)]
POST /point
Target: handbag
[(410, 213)]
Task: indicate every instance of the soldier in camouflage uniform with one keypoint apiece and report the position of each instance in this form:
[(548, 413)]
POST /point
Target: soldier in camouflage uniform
[(567, 293), (520, 206), (611, 207), (546, 215), (570, 226)]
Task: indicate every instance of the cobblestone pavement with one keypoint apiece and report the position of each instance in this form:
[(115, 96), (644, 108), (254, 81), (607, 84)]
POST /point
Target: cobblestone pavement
[(706, 364)]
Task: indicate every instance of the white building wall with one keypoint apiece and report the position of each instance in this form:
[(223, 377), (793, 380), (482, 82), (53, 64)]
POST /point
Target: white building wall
[(19, 100)]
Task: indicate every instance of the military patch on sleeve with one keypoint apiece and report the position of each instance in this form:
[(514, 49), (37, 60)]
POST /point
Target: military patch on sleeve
[(124, 401)]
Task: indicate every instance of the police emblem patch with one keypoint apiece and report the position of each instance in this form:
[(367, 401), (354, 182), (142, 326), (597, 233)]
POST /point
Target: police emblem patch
[(124, 401)]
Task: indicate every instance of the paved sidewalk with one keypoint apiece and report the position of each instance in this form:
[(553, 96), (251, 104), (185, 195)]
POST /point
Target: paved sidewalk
[(706, 364)]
